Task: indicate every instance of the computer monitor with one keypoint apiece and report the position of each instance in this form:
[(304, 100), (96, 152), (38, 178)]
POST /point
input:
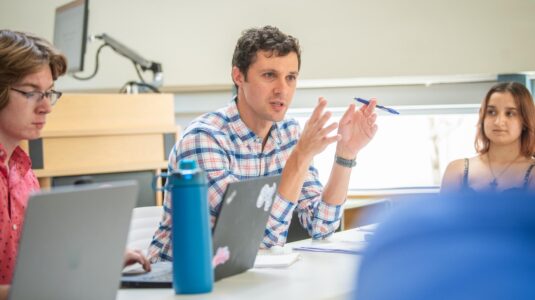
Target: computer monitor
[(70, 32)]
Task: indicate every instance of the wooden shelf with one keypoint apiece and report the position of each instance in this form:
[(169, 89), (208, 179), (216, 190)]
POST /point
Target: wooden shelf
[(102, 170), (92, 134)]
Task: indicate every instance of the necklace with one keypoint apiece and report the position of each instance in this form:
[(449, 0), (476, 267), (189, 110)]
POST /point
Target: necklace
[(494, 183)]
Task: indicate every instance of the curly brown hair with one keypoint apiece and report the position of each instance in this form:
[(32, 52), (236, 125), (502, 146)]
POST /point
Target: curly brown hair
[(267, 38)]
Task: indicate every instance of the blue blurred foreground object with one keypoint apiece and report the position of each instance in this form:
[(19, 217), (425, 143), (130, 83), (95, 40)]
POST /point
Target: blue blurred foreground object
[(453, 247)]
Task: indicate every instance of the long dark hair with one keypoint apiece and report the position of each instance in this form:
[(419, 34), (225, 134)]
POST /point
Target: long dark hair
[(526, 109)]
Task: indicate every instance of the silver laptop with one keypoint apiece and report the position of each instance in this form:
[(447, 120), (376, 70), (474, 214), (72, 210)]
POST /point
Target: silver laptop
[(240, 227), (73, 242)]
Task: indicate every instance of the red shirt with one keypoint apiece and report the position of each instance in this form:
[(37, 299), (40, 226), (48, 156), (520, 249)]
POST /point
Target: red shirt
[(15, 187)]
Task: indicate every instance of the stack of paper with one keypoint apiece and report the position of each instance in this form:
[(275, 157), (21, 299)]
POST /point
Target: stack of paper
[(347, 247), (275, 260)]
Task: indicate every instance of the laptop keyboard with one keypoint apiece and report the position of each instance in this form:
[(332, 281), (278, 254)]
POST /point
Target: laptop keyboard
[(160, 274)]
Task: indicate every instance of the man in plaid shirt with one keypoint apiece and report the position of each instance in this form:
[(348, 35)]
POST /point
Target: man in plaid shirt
[(251, 137)]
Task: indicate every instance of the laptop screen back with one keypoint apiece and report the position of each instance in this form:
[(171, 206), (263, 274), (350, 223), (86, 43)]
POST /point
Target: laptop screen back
[(73, 242), (242, 221)]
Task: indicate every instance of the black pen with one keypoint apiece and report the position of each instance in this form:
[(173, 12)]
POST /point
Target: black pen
[(388, 109)]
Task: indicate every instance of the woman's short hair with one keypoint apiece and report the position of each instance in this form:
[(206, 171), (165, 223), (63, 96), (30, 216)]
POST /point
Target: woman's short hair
[(526, 109), (22, 54)]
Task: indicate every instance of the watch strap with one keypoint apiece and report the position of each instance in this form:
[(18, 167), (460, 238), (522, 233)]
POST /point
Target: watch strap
[(348, 163)]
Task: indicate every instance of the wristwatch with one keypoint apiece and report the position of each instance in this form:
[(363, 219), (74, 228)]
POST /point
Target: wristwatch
[(348, 163)]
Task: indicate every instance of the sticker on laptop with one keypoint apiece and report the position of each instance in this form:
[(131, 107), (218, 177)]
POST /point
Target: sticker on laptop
[(231, 197), (221, 256), (266, 196)]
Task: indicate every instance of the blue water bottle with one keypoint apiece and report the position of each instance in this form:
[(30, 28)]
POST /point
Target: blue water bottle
[(191, 233)]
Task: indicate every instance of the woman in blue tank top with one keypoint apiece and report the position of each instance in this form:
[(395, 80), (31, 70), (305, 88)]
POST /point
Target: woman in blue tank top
[(505, 143)]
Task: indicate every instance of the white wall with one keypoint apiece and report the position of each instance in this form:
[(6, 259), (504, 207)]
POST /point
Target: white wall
[(194, 40)]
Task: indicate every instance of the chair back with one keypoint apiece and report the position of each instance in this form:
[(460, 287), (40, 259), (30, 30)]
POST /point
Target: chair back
[(145, 221)]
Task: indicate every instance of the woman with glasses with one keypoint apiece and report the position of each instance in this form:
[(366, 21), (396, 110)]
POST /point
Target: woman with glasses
[(29, 66)]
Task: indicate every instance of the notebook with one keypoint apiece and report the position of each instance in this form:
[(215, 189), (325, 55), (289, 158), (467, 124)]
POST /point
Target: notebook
[(270, 260), (73, 242), (239, 229)]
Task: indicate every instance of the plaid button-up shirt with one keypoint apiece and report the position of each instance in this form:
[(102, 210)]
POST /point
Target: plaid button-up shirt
[(228, 151)]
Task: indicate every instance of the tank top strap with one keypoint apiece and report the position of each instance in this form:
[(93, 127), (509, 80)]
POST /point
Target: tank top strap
[(526, 177), (465, 175)]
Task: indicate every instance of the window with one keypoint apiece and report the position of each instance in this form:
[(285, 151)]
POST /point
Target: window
[(409, 150)]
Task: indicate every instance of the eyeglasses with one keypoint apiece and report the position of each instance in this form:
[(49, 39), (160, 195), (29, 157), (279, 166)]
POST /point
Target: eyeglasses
[(52, 95)]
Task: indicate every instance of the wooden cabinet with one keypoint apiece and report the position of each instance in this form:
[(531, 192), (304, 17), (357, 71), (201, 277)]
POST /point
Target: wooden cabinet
[(91, 134)]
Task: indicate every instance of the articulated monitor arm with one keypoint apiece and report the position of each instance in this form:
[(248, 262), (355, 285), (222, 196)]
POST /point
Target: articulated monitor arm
[(156, 68)]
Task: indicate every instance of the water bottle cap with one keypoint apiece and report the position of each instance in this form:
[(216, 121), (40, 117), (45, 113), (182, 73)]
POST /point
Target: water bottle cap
[(188, 164)]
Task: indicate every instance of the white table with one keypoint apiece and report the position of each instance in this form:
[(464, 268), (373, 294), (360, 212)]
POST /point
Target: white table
[(314, 276)]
